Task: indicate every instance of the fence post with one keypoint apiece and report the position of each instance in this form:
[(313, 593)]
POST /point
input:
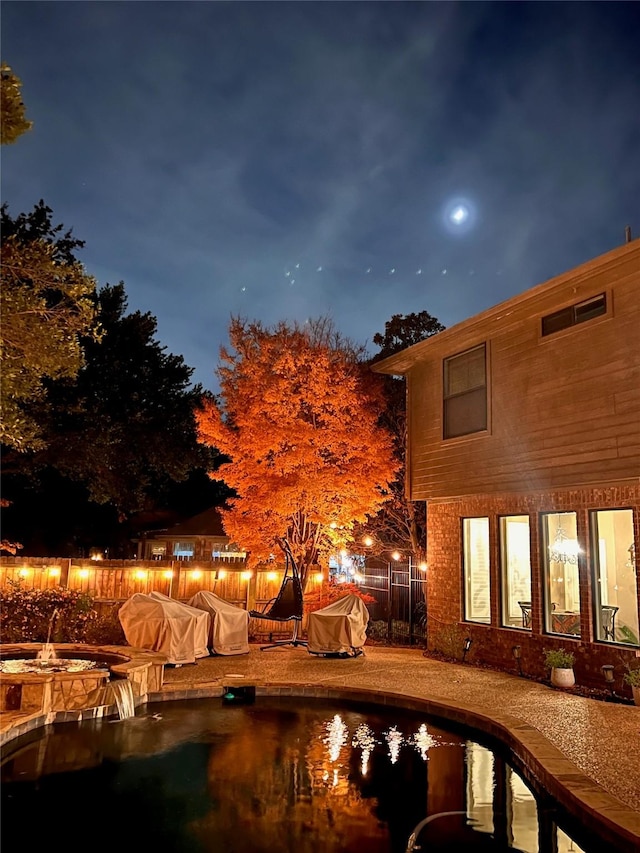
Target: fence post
[(390, 602), (65, 566), (251, 590), (410, 605), (175, 578)]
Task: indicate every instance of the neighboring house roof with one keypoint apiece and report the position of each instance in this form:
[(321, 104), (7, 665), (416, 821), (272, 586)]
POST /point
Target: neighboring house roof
[(402, 361), (207, 523)]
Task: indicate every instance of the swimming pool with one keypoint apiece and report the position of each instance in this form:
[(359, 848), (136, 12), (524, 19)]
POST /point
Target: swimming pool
[(279, 775)]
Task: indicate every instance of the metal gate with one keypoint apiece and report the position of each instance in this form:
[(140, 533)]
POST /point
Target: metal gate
[(399, 614)]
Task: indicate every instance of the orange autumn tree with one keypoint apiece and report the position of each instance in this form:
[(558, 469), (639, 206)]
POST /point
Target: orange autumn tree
[(297, 417)]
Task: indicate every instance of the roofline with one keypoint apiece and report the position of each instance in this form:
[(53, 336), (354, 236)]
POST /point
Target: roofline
[(401, 362)]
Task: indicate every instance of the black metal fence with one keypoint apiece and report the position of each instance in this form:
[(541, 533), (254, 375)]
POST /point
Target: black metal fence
[(399, 613)]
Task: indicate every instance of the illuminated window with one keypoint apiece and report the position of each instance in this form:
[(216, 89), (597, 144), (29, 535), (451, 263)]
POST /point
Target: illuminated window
[(574, 314), (515, 562), (614, 567), (560, 564), (465, 393), (475, 550), (183, 550)]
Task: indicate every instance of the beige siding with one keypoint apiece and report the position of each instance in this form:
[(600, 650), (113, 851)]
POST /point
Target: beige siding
[(564, 410)]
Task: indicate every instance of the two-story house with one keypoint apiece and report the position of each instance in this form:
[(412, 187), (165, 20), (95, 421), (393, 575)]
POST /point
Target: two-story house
[(524, 440), (200, 537)]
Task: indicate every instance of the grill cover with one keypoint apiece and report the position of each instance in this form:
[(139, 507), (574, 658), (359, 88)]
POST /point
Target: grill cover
[(339, 627), (165, 625), (229, 627)]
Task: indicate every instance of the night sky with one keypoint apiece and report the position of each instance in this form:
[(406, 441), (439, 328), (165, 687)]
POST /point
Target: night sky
[(280, 161)]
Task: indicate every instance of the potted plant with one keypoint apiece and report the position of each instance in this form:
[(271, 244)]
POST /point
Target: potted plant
[(632, 678), (560, 662)]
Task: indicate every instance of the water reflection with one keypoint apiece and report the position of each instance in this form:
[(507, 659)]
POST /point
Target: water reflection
[(364, 740), (294, 776), (394, 741)]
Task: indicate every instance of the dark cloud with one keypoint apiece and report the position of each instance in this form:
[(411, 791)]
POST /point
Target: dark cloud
[(215, 155)]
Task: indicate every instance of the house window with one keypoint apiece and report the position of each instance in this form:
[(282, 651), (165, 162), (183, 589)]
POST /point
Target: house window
[(475, 557), (614, 567), (183, 550), (465, 393), (560, 564), (574, 314), (158, 552), (515, 561)]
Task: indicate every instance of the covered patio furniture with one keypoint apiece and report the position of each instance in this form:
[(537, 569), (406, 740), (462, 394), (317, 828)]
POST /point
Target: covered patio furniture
[(339, 628), (162, 624), (229, 626)]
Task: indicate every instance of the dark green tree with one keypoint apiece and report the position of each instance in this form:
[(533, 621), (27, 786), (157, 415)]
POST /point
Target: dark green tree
[(122, 434), (13, 120), (400, 525), (404, 330), (48, 308), (125, 427)]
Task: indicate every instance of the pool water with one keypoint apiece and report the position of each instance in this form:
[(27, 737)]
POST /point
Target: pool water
[(276, 776)]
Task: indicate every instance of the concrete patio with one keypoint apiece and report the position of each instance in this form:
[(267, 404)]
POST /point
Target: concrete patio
[(585, 752)]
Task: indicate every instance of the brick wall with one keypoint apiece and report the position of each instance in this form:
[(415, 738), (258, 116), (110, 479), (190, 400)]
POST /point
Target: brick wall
[(493, 644)]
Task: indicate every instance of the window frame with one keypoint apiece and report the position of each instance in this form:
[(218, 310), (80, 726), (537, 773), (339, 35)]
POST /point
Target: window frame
[(504, 587), (466, 578), (596, 579), (475, 390), (574, 316), (545, 569)]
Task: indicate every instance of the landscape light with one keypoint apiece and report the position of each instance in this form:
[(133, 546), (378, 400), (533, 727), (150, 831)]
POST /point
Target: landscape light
[(517, 653), (466, 647), (609, 676)]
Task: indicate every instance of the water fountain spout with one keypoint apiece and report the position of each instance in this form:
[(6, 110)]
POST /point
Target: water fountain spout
[(48, 652)]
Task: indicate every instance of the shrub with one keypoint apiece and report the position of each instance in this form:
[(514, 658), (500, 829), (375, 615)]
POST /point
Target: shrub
[(558, 659), (447, 640), (632, 677), (27, 615), (106, 630), (329, 591)]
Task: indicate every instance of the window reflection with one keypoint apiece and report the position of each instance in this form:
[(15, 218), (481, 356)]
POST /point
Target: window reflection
[(515, 553), (561, 562), (614, 565), (475, 539)]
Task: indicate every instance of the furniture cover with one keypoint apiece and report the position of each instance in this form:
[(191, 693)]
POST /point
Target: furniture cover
[(339, 628), (229, 627), (164, 625)]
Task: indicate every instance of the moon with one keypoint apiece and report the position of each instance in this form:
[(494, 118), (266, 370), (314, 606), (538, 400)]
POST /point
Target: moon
[(459, 215)]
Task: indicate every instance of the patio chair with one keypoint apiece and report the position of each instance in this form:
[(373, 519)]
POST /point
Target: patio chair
[(287, 606), (525, 606), (608, 612)]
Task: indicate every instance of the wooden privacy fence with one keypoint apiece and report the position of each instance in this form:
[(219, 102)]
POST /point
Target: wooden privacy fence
[(111, 582)]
